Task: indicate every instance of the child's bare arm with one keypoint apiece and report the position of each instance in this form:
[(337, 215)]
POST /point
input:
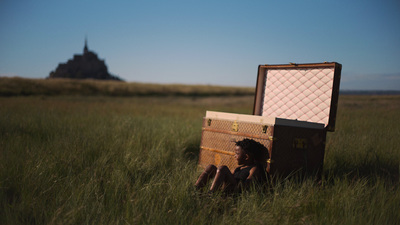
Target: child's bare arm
[(253, 173)]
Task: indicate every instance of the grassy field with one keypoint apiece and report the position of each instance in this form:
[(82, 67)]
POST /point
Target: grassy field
[(16, 86), (132, 160)]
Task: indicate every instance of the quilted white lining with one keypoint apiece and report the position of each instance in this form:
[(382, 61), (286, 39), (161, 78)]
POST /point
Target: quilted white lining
[(302, 94)]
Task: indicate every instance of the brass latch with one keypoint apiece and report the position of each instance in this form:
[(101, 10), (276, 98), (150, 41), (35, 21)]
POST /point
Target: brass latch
[(235, 126), (265, 129), (300, 143), (271, 138)]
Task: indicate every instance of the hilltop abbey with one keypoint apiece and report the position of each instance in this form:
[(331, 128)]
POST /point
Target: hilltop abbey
[(86, 66)]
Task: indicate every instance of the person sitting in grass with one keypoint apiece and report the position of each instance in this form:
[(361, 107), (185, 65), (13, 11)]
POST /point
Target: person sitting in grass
[(251, 157)]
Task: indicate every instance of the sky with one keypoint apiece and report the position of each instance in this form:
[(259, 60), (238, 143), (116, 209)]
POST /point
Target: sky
[(215, 42)]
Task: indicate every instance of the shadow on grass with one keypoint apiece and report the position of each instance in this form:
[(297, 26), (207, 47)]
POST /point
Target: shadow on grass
[(372, 169), (192, 150)]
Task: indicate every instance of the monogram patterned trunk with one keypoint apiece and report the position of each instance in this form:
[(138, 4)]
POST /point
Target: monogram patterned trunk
[(222, 130), (294, 107)]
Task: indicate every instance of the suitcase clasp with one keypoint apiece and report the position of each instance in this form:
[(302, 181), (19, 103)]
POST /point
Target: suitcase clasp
[(235, 126), (300, 143), (265, 129), (271, 138)]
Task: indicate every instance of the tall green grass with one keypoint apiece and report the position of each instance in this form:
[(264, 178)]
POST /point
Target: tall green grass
[(104, 160)]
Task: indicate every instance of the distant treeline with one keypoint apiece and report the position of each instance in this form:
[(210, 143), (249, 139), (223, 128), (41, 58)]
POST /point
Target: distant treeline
[(16, 86), (373, 92)]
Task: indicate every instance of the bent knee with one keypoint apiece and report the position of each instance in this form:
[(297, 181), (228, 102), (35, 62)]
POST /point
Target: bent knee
[(210, 168), (223, 168)]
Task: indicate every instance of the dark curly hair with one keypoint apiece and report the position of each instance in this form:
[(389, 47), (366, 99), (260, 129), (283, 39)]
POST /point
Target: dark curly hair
[(254, 148)]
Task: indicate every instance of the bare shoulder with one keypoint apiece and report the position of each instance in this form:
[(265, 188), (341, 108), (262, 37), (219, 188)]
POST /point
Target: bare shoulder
[(254, 171)]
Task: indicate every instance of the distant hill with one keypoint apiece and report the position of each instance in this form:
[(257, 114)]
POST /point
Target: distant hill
[(85, 66)]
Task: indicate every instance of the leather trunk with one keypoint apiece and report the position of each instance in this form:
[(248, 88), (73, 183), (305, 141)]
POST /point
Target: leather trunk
[(294, 107)]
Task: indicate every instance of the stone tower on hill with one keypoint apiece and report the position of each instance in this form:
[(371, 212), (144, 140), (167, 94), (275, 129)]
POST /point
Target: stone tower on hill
[(86, 66)]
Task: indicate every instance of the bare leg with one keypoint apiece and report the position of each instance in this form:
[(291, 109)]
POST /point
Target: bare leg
[(208, 173), (224, 178)]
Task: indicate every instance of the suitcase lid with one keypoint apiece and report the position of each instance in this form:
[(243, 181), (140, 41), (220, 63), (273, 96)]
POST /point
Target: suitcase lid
[(305, 92)]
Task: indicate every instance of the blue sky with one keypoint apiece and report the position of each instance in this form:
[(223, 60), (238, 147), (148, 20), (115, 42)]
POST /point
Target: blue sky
[(204, 42)]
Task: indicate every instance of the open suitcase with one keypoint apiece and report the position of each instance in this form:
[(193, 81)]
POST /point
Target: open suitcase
[(294, 106)]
